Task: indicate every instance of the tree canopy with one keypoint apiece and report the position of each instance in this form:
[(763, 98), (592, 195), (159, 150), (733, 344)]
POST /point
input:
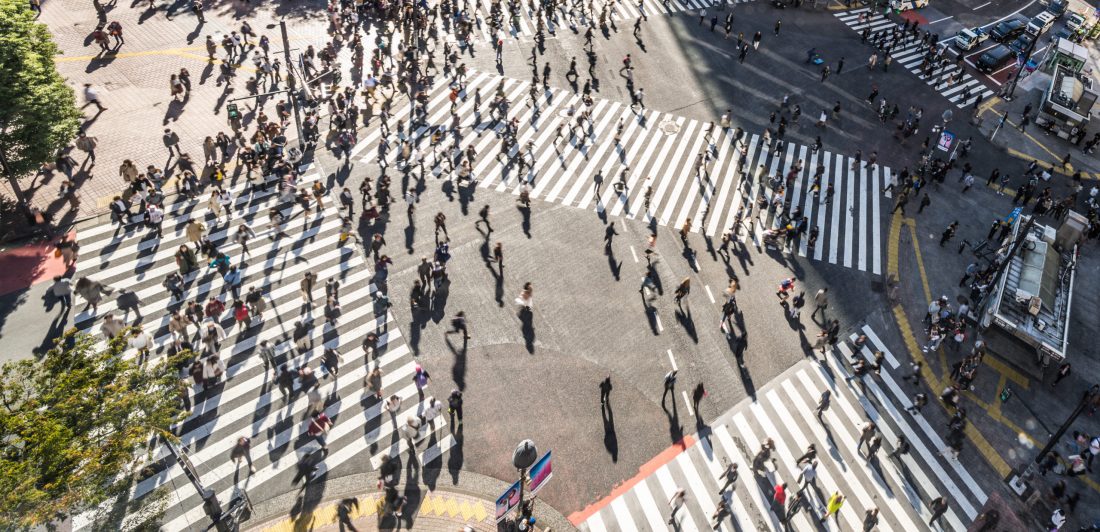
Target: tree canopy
[(74, 425), (38, 115)]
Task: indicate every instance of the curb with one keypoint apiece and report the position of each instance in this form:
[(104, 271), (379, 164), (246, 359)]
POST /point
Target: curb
[(270, 513)]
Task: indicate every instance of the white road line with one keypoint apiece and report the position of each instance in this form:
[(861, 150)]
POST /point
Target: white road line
[(672, 360)]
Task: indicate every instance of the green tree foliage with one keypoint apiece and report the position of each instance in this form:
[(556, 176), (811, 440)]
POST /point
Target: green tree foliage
[(75, 426), (38, 113)]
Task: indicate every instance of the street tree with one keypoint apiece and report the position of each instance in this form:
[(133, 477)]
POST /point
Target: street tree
[(78, 427), (38, 114)]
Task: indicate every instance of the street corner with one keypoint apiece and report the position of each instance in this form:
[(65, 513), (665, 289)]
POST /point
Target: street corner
[(30, 264)]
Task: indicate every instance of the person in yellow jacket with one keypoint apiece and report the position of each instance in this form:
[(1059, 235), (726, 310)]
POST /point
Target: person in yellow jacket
[(836, 501)]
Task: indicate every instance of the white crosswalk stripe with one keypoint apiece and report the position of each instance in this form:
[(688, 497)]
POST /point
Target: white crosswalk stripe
[(247, 403), (900, 486), (587, 168), (963, 91)]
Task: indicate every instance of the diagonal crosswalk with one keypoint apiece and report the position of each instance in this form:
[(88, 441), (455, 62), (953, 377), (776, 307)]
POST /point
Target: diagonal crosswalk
[(900, 486), (607, 164), (952, 80), (247, 402)]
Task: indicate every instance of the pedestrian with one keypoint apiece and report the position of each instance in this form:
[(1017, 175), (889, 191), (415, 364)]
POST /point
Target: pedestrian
[(823, 404), (832, 508), (87, 145), (914, 372), (669, 385), (1063, 372), (949, 233), (870, 520), (682, 290), (675, 503), (242, 451), (938, 507), (172, 142), (458, 324), (697, 396), (902, 447), (483, 215), (729, 476), (779, 499), (319, 425), (924, 202), (821, 302), (91, 97), (867, 432), (808, 475), (778, 23), (62, 289), (605, 390), (918, 402)]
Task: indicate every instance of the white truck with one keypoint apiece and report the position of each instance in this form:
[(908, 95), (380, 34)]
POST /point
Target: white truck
[(970, 38)]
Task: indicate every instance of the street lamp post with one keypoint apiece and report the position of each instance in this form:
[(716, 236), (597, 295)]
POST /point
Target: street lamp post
[(524, 457)]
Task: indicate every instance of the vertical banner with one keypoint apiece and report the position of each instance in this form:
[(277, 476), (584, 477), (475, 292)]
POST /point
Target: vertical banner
[(540, 473), (509, 500)]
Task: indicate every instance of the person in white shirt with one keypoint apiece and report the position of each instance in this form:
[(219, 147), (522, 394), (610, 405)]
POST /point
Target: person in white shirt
[(142, 342)]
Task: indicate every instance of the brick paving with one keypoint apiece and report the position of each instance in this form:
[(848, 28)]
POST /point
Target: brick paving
[(134, 86), (438, 511)]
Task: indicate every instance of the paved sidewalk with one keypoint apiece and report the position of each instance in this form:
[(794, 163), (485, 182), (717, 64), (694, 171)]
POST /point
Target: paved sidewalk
[(134, 85), (439, 510)]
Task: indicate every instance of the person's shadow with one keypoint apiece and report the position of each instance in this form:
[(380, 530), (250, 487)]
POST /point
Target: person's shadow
[(610, 439), (527, 321)]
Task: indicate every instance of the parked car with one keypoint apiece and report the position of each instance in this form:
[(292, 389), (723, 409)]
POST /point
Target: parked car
[(1057, 7), (1040, 23), (1007, 30), (995, 58), (970, 38), (1021, 44)]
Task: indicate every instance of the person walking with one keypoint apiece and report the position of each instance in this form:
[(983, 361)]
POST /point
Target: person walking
[(319, 425), (808, 475), (924, 202), (62, 289), (821, 302), (682, 291), (1063, 372), (172, 142), (605, 389), (902, 447), (483, 215), (832, 508), (91, 97), (867, 432), (697, 396), (949, 233), (938, 507), (669, 385), (675, 503), (458, 324), (729, 476), (242, 451)]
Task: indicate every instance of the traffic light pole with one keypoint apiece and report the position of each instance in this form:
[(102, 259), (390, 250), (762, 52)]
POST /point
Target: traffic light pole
[(1016, 78), (292, 85)]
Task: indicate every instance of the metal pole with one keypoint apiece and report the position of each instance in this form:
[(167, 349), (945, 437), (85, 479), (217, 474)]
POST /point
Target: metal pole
[(1088, 395), (292, 84), (1016, 78), (522, 485), (999, 124)]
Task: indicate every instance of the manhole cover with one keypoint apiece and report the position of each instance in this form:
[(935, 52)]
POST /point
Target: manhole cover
[(670, 127)]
